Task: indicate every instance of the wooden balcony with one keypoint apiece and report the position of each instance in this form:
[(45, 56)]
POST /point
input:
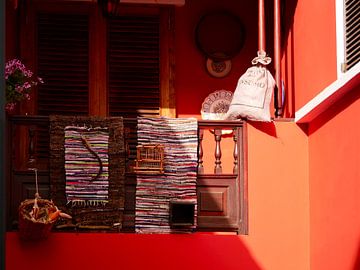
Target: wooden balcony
[(221, 179)]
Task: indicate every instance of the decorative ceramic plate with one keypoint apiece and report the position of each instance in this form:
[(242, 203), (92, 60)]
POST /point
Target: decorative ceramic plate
[(216, 105)]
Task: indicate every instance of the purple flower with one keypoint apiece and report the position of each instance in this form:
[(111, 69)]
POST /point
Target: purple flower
[(19, 82), (26, 85), (9, 107), (19, 88)]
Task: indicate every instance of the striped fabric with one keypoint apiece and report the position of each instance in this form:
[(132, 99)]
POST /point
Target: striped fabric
[(86, 177), (178, 183)]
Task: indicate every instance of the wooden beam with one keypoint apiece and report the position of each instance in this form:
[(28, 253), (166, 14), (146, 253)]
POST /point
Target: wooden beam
[(97, 63), (167, 63)]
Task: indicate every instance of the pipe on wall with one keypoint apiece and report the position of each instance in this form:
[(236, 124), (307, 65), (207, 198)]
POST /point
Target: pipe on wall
[(277, 59), (277, 49), (261, 26)]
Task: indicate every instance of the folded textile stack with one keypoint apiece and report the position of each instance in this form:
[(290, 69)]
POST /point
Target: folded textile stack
[(154, 192)]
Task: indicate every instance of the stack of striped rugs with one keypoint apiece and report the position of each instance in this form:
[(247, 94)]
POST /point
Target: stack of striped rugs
[(154, 192)]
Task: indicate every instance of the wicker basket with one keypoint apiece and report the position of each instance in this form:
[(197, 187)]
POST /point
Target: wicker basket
[(31, 229)]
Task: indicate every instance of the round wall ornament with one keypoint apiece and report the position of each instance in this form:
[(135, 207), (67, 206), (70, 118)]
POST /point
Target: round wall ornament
[(220, 35), (218, 68), (216, 105)]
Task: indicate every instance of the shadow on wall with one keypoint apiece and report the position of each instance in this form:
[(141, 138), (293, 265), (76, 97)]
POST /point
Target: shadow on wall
[(348, 99), (357, 261), (265, 127), (129, 251)]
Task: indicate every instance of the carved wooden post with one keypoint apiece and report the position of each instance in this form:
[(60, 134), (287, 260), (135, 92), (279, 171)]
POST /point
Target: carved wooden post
[(218, 168), (236, 150), (200, 160)]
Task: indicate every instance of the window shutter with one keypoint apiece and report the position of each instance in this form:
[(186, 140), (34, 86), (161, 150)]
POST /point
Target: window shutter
[(133, 65), (352, 33), (63, 60)]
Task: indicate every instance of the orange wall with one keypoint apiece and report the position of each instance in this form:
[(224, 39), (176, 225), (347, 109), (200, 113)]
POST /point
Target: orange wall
[(334, 150), (278, 196), (310, 51)]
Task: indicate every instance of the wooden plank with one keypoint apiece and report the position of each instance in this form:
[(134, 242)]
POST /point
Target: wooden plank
[(98, 94), (167, 65)]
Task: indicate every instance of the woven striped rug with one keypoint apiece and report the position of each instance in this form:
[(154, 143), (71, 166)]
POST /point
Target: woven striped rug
[(178, 183), (86, 165), (87, 170)]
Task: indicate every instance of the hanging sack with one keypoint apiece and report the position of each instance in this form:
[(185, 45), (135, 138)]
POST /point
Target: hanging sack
[(252, 96)]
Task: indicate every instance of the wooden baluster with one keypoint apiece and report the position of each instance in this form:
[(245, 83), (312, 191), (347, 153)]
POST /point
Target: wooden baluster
[(218, 168), (31, 159), (236, 150), (201, 153)]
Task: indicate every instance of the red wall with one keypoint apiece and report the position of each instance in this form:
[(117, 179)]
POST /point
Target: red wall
[(334, 150), (334, 146), (129, 251), (192, 82), (310, 51)]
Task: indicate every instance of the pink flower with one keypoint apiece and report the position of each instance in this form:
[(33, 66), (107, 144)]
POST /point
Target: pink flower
[(19, 88), (26, 85), (9, 107), (19, 82)]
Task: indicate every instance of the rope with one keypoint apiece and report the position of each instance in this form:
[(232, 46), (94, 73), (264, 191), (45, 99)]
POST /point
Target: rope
[(261, 58), (37, 195)]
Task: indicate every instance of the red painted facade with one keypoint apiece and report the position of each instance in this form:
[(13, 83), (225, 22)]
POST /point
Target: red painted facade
[(303, 180)]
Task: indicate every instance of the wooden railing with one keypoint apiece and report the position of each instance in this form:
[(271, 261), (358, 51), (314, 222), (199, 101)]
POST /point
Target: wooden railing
[(222, 203), (219, 128)]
